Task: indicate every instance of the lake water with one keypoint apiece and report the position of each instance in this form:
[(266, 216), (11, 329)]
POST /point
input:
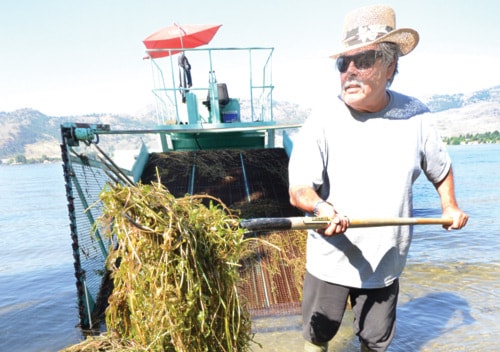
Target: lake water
[(449, 291)]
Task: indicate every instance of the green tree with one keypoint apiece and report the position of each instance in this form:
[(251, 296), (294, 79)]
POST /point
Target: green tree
[(20, 159)]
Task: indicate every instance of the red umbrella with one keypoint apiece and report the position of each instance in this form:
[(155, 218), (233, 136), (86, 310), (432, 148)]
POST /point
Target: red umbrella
[(178, 37)]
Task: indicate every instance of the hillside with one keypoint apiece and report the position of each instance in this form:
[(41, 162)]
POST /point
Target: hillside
[(439, 103), (460, 114), (34, 135), (479, 117)]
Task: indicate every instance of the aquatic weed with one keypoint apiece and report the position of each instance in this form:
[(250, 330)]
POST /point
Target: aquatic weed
[(176, 284)]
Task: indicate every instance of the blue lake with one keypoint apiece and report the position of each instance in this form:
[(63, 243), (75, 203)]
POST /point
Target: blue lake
[(449, 291)]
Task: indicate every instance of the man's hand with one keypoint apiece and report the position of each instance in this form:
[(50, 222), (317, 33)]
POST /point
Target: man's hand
[(459, 218), (338, 225), (306, 198)]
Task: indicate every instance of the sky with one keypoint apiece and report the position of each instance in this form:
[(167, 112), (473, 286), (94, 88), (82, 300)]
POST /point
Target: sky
[(74, 57)]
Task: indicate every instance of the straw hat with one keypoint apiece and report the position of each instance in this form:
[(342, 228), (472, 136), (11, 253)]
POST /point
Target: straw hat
[(375, 24)]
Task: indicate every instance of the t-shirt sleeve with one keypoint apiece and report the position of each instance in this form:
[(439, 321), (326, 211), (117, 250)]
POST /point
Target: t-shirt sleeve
[(436, 161)]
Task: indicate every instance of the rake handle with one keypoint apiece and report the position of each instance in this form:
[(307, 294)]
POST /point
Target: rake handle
[(305, 223)]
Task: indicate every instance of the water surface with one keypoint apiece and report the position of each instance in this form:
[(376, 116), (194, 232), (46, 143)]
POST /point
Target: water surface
[(449, 290)]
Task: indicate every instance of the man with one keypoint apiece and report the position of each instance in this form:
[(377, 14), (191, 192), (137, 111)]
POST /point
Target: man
[(360, 157)]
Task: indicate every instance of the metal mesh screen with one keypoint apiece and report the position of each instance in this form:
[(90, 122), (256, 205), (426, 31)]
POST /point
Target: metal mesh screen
[(85, 179), (90, 181), (272, 279)]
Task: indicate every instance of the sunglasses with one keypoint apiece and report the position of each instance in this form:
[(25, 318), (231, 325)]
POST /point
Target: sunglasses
[(363, 60)]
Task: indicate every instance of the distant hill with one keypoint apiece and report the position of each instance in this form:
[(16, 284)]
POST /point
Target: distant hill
[(32, 134), (442, 102), (461, 114)]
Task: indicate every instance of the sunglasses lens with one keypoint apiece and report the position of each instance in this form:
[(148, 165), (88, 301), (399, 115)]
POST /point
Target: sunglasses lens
[(363, 60), (343, 63)]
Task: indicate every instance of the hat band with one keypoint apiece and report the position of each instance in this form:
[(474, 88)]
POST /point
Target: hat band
[(366, 34)]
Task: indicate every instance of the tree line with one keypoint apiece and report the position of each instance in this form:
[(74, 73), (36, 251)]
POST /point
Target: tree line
[(478, 138)]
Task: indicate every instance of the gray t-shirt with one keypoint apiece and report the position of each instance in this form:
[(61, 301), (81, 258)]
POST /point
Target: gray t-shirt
[(365, 164)]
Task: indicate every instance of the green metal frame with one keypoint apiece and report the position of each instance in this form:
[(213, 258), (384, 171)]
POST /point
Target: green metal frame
[(166, 93)]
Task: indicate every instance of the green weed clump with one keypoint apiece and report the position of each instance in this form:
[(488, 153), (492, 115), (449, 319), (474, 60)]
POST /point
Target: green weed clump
[(175, 272)]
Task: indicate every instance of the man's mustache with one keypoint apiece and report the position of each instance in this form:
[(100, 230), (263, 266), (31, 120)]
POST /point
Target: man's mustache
[(352, 82)]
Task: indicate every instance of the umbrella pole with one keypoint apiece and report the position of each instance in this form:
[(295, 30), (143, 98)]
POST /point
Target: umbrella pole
[(172, 73)]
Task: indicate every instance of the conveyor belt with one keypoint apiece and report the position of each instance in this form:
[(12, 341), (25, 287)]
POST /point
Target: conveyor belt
[(255, 183)]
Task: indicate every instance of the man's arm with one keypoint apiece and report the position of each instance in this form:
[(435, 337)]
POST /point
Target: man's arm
[(306, 199), (450, 209)]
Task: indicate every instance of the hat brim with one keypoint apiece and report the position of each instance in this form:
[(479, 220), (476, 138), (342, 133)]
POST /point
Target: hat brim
[(406, 38)]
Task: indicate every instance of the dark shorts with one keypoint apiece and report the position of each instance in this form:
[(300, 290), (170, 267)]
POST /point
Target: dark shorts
[(374, 311)]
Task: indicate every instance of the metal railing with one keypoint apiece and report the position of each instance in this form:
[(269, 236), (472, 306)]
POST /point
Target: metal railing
[(255, 69)]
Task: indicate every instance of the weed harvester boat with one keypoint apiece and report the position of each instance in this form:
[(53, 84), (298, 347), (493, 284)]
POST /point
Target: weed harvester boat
[(213, 135)]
